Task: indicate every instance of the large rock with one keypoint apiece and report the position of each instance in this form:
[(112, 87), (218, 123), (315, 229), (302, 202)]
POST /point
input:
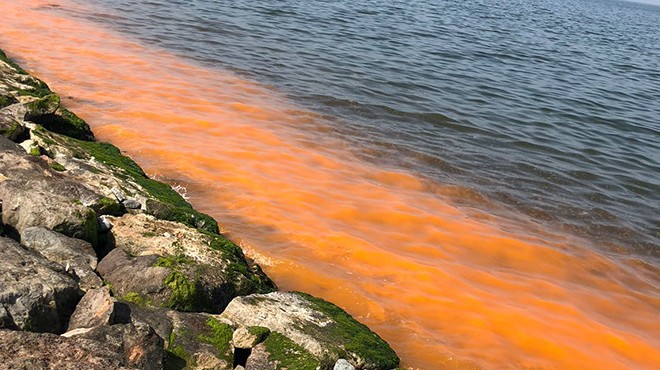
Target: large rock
[(35, 294), (314, 329), (75, 253), (33, 351), (177, 266), (139, 345), (96, 308), (192, 340)]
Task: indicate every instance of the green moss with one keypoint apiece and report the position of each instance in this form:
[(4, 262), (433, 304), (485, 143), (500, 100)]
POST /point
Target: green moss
[(185, 294), (359, 340), (254, 280), (259, 332), (108, 206), (136, 298), (7, 100), (42, 106), (288, 355), (183, 214), (219, 337), (56, 166), (6, 59), (35, 151), (62, 122), (172, 261)]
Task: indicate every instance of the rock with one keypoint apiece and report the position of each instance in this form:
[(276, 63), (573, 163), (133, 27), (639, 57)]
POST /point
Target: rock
[(105, 224), (66, 251), (12, 128), (35, 195), (131, 203), (96, 308), (33, 351), (249, 337), (311, 327), (192, 340), (135, 279), (258, 359), (35, 294), (342, 364), (139, 345), (46, 105), (203, 272)]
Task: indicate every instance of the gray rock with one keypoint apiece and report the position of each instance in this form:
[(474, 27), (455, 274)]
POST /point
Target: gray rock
[(51, 203), (75, 253), (96, 308), (105, 224), (312, 328), (258, 359), (139, 345), (35, 294), (248, 337), (193, 340), (177, 266), (342, 364), (131, 203), (33, 351)]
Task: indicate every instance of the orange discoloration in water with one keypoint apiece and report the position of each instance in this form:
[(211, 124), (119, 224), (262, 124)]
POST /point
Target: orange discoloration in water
[(442, 284)]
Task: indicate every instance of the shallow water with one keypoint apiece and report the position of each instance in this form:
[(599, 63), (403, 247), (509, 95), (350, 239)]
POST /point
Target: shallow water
[(392, 214)]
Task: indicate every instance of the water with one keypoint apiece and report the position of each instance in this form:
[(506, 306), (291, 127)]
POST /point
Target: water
[(476, 181), (548, 107)]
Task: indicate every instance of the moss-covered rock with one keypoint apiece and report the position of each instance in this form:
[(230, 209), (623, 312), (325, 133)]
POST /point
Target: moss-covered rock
[(320, 328)]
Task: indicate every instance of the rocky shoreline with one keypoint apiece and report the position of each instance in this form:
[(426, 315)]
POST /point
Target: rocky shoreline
[(104, 268)]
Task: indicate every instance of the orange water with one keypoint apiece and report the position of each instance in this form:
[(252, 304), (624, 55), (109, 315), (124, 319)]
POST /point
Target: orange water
[(446, 286)]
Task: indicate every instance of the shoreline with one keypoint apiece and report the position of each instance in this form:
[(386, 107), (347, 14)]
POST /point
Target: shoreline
[(112, 240)]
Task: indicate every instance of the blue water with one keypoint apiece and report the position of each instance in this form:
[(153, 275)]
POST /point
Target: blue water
[(550, 109)]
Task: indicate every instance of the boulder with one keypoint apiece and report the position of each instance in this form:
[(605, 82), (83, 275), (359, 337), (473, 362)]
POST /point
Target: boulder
[(249, 337), (54, 203), (192, 340), (96, 308), (342, 364), (138, 345), (178, 266), (34, 351), (35, 294), (314, 329), (75, 253)]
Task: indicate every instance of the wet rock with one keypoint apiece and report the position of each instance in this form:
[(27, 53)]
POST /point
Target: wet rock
[(315, 329), (96, 308), (42, 106), (202, 272), (35, 294), (342, 364), (139, 345), (33, 351), (75, 253)]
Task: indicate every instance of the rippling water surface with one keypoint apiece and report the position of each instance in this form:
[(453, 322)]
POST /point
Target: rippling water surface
[(477, 181)]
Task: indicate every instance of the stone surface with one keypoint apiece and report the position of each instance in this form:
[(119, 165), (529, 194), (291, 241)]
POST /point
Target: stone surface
[(96, 308), (342, 364), (35, 294), (138, 345), (311, 326), (258, 359), (203, 272), (192, 340), (75, 253), (248, 337), (32, 351)]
